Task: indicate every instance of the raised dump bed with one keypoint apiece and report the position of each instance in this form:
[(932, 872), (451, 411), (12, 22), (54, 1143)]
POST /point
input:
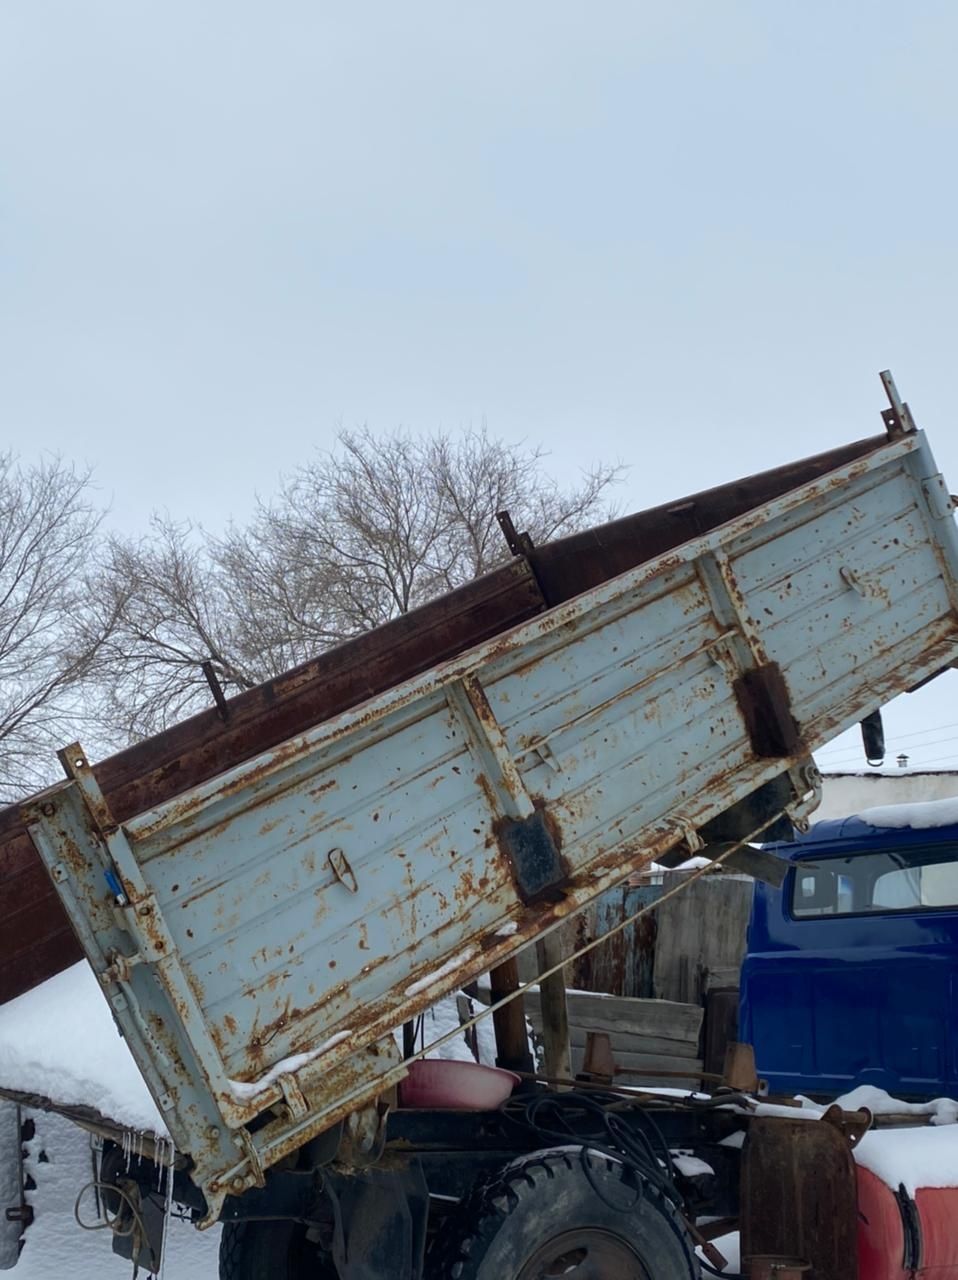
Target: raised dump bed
[(261, 933)]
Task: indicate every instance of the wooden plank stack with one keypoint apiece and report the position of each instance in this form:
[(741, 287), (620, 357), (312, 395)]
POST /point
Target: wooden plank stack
[(655, 1042)]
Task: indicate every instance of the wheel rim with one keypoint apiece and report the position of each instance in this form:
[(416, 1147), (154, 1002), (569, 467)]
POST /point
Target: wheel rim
[(584, 1255)]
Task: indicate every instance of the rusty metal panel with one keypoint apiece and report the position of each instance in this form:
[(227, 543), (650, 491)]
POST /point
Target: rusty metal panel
[(621, 965), (206, 744), (799, 1197), (199, 748), (260, 935)]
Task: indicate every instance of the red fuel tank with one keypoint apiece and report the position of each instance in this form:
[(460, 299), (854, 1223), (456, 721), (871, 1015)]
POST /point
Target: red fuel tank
[(903, 1237)]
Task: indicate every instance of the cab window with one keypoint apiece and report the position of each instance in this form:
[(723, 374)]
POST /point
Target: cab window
[(911, 879)]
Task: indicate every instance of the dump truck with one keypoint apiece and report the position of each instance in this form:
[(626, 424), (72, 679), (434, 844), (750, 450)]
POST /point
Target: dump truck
[(269, 893)]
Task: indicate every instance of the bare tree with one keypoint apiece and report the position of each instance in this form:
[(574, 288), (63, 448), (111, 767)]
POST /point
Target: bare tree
[(476, 477), (367, 532), (355, 537), (50, 635), (173, 609)]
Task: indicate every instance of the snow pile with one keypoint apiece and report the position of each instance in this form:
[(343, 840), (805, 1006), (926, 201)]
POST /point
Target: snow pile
[(59, 1041), (729, 1247), (690, 1166), (921, 816), (880, 1103), (442, 1019)]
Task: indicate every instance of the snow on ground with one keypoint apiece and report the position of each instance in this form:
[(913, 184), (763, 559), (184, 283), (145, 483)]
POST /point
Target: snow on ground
[(443, 1018), (59, 1161), (60, 1041), (728, 1247), (920, 816)]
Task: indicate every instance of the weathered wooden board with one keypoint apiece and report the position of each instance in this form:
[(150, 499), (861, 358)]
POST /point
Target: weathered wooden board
[(653, 1041), (651, 1069), (666, 1019), (701, 935)]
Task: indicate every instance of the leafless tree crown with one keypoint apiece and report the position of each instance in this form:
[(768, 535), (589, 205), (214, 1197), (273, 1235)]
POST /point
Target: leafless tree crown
[(50, 633), (355, 537)]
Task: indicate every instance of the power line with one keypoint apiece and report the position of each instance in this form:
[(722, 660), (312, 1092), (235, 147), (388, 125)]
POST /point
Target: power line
[(916, 746), (899, 737)]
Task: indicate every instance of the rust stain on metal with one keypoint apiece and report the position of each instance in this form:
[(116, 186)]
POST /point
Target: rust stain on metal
[(531, 848), (763, 699)]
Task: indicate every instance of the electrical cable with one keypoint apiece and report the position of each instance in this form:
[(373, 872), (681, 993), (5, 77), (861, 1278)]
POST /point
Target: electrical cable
[(645, 1149), (112, 1221), (847, 755)]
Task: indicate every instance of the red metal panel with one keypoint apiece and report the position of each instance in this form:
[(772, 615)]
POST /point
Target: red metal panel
[(938, 1213), (881, 1237)]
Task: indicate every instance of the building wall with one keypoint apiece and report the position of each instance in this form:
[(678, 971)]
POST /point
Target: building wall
[(844, 794)]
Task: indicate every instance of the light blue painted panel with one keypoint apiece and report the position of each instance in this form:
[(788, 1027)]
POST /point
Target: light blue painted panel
[(279, 921)]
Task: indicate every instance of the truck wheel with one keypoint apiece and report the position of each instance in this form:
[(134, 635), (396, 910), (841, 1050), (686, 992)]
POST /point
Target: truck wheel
[(270, 1251), (564, 1213)]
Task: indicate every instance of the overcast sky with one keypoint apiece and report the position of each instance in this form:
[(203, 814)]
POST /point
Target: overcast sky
[(685, 236)]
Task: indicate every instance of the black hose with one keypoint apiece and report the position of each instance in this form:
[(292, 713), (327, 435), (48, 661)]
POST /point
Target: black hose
[(563, 1117)]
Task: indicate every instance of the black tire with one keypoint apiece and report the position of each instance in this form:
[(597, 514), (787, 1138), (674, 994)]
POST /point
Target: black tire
[(270, 1251), (564, 1213)]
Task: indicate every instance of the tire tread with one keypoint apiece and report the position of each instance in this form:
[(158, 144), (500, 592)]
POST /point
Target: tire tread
[(496, 1197)]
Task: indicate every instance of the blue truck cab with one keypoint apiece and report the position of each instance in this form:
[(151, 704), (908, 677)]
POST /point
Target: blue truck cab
[(851, 971)]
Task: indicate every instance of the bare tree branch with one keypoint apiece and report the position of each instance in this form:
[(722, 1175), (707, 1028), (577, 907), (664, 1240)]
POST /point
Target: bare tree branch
[(50, 632), (355, 537)]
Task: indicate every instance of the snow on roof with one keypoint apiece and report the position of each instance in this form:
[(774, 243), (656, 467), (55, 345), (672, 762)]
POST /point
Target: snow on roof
[(59, 1042), (879, 772), (919, 816)]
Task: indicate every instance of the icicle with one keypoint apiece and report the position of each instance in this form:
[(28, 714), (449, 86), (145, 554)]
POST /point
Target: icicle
[(165, 1147)]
